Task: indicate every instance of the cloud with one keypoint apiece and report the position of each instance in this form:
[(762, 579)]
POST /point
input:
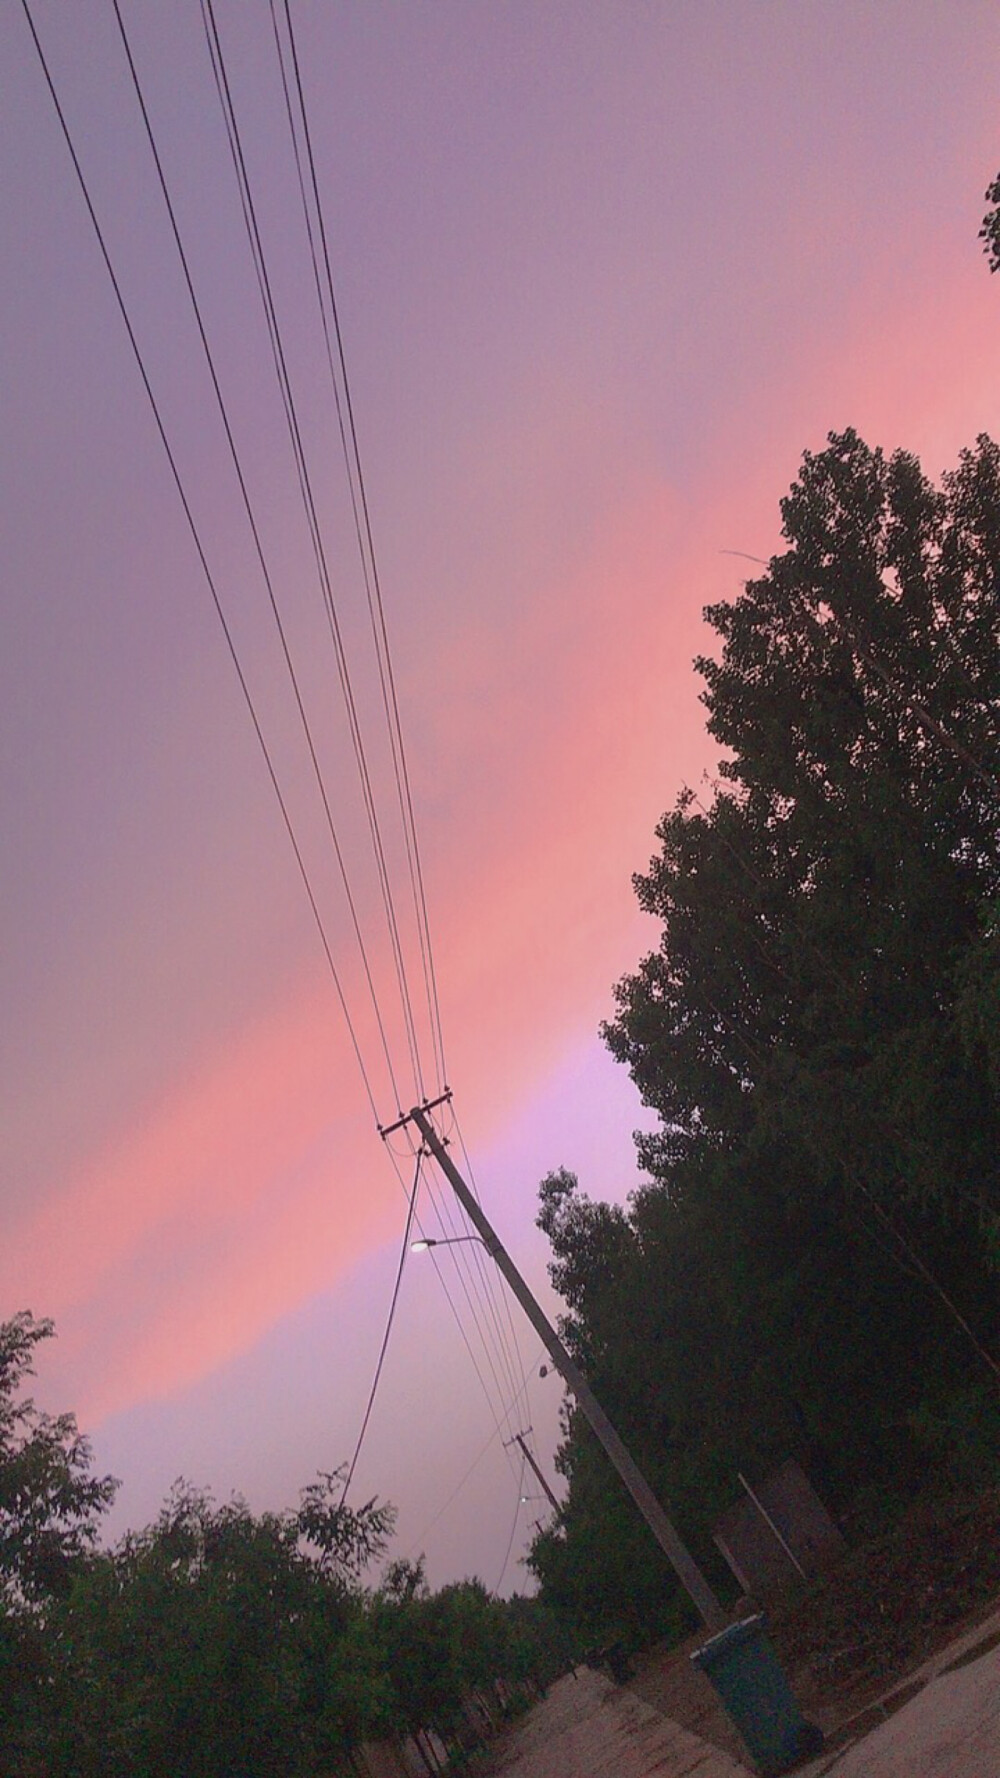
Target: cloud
[(564, 722)]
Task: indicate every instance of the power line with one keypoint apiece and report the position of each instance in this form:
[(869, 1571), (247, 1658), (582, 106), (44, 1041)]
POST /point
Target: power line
[(483, 1277), (484, 1282), (259, 259), (473, 1466), (513, 1533), (477, 1294), (413, 1219), (446, 1216), (498, 1417), (388, 1326), (498, 1297), (470, 1277), (374, 825), (199, 548), (464, 1281), (372, 581), (255, 533)]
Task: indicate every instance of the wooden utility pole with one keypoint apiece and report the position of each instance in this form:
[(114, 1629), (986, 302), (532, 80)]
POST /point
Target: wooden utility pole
[(676, 1552), (518, 1439)]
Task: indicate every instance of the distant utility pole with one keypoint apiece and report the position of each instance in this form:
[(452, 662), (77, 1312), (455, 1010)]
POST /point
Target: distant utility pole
[(518, 1439), (679, 1557)]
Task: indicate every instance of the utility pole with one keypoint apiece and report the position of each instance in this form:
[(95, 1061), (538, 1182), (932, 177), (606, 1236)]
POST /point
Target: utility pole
[(518, 1439), (677, 1554)]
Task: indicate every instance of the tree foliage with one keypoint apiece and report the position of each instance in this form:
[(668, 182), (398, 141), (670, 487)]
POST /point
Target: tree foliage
[(812, 1269), (50, 1503), (989, 234), (816, 918), (50, 1508), (217, 1639)]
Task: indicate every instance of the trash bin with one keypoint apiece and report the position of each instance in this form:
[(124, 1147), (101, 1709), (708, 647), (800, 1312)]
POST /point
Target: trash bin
[(744, 1669)]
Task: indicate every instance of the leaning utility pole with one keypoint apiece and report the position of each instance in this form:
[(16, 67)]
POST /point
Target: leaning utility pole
[(518, 1439), (680, 1559)]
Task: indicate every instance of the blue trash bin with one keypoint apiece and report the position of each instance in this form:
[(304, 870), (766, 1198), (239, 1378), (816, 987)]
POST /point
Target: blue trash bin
[(744, 1669)]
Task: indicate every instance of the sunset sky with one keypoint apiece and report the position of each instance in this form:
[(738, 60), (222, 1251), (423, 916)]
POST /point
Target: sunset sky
[(603, 272)]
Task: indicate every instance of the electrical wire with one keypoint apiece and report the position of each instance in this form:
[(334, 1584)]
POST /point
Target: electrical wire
[(470, 1287), (200, 551), (499, 1416), (471, 1284), (499, 1298), (479, 1281), (414, 1220), (259, 259), (258, 545), (455, 1233), (465, 1268), (513, 1533), (473, 1466), (404, 1250), (475, 1287), (371, 575), (374, 825)]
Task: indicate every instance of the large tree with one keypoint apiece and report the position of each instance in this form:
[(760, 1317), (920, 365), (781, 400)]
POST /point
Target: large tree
[(815, 918), (813, 1266)]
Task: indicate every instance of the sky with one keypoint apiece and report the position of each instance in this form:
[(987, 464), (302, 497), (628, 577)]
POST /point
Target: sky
[(603, 272)]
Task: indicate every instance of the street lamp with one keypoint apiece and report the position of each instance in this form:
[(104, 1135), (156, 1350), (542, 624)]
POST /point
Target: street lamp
[(426, 1241)]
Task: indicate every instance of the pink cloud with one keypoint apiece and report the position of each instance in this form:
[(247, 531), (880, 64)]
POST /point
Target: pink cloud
[(259, 1180)]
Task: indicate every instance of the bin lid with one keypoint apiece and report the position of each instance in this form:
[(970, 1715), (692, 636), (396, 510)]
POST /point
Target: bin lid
[(727, 1638)]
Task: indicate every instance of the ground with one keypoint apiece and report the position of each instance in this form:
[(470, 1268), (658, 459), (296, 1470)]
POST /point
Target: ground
[(587, 1727), (891, 1603), (948, 1726), (896, 1655), (889, 1606)]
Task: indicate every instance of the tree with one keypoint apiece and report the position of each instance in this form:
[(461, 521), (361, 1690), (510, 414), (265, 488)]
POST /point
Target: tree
[(221, 1640), (456, 1658), (815, 918), (50, 1503), (811, 1270), (50, 1508)]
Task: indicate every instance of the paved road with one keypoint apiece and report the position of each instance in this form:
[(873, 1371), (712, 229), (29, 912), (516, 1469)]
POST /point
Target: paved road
[(951, 1729), (589, 1728)]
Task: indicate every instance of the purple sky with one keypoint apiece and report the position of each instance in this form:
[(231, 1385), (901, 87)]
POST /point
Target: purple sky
[(603, 272)]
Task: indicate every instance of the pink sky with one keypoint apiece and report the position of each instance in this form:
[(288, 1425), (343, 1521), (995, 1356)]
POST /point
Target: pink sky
[(604, 273)]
